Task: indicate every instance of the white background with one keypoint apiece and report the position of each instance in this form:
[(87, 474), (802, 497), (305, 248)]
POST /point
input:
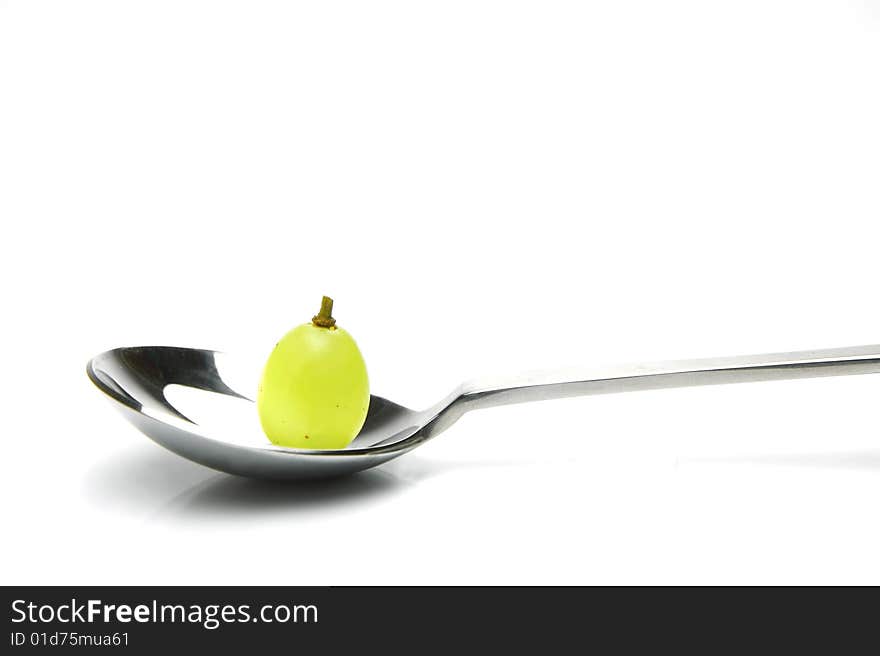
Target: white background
[(483, 187)]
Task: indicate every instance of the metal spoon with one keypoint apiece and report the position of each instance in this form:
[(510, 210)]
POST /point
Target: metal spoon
[(138, 380)]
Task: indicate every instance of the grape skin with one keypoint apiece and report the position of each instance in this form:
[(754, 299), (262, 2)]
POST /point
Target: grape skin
[(314, 392)]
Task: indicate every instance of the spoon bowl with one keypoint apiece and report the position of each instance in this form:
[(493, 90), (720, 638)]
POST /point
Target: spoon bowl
[(153, 386), (139, 379)]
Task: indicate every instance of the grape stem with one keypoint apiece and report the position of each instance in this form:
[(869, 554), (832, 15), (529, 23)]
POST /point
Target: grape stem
[(324, 318)]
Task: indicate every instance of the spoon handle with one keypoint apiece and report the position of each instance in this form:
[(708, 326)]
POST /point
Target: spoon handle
[(683, 373)]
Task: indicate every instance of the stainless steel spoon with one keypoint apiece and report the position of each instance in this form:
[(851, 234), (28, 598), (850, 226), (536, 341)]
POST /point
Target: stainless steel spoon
[(140, 378)]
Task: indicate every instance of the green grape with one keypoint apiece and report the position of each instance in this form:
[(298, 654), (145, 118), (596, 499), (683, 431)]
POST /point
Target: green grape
[(314, 392)]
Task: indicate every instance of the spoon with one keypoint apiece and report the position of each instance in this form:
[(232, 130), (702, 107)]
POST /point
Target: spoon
[(141, 380)]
